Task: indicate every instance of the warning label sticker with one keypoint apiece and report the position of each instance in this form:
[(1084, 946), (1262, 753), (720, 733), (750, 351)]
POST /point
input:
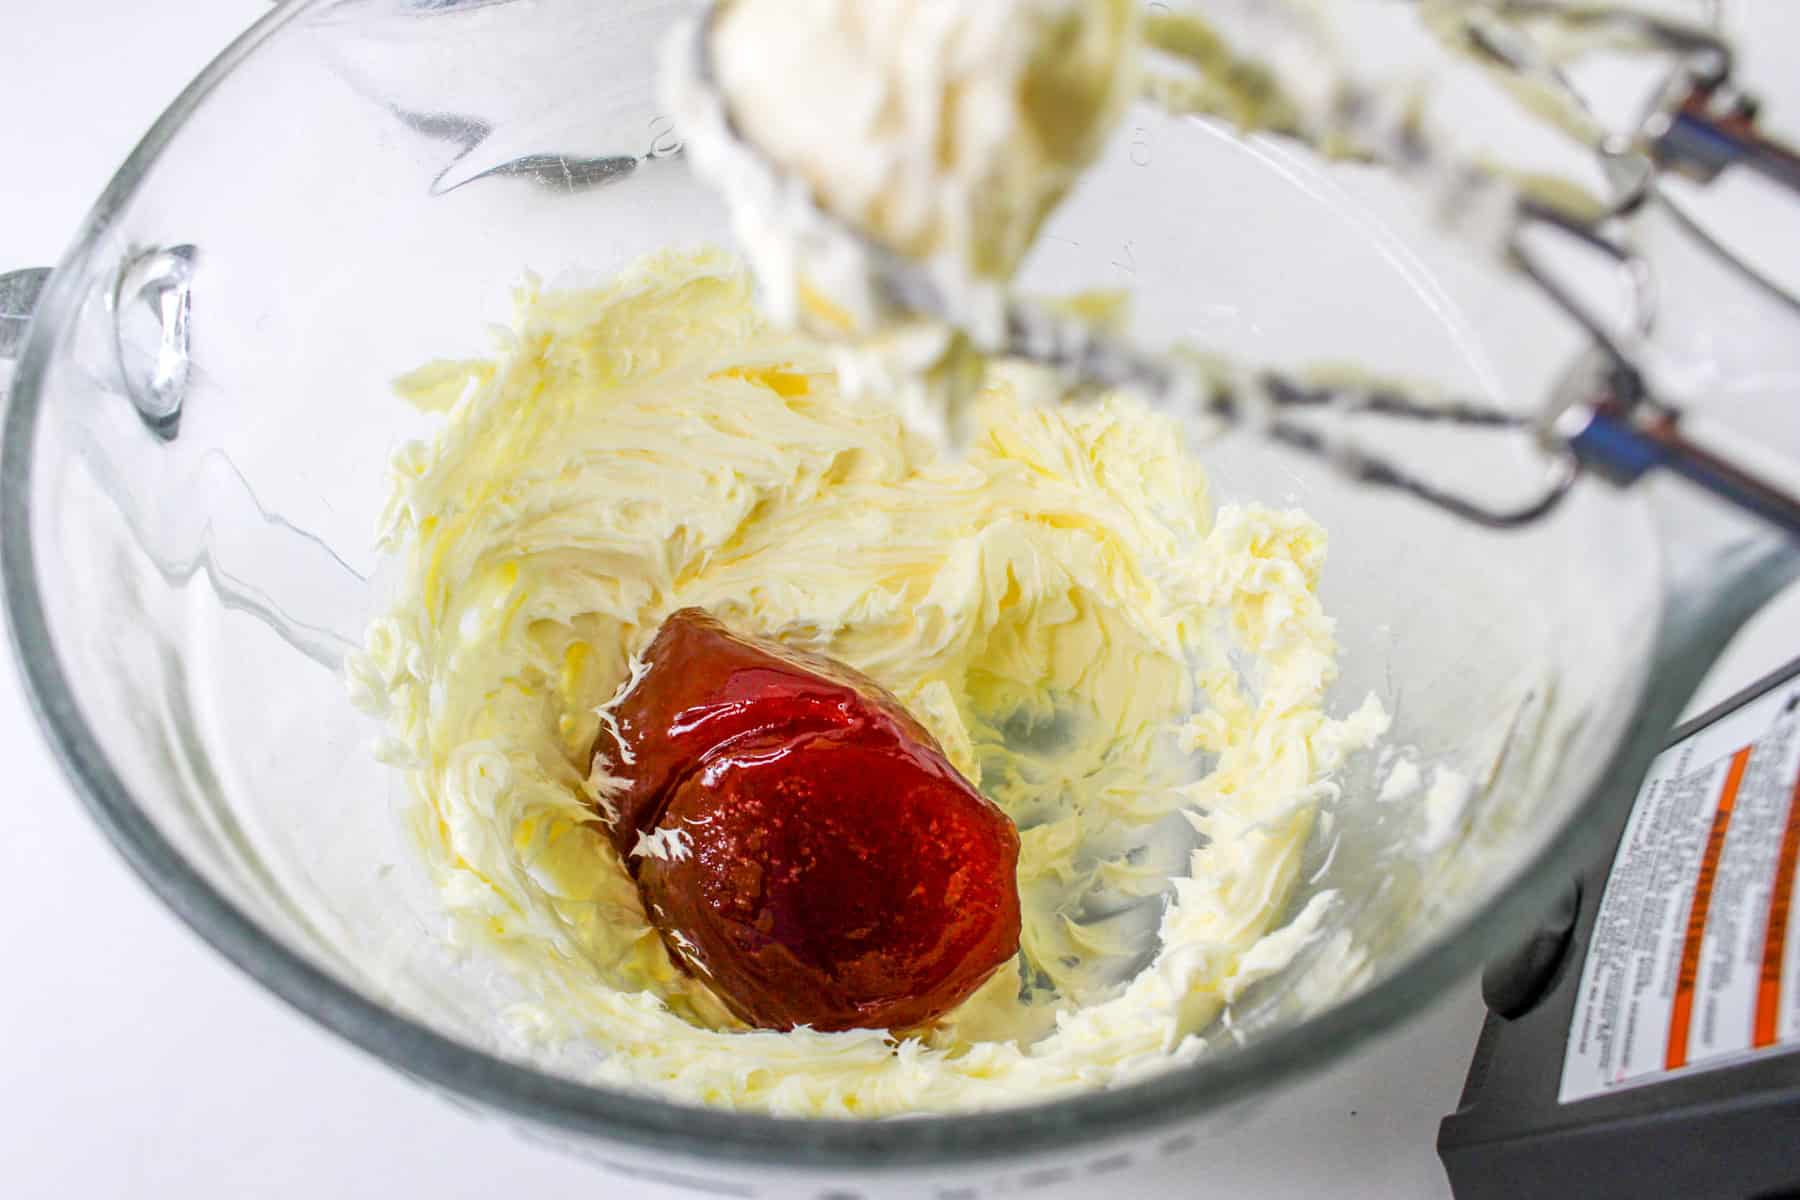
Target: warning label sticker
[(1694, 960)]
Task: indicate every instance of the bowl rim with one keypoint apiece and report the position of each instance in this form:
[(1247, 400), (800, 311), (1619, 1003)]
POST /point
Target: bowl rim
[(636, 1122)]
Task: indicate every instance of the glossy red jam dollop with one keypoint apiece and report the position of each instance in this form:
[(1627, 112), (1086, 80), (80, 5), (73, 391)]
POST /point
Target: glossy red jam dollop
[(833, 869)]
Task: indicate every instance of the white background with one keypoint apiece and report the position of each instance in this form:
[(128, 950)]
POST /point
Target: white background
[(135, 1062)]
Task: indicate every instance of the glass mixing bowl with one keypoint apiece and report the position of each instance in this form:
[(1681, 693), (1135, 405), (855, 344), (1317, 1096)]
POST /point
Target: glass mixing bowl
[(194, 457)]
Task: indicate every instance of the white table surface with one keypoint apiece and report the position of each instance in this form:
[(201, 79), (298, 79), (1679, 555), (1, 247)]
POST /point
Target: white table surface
[(136, 1062)]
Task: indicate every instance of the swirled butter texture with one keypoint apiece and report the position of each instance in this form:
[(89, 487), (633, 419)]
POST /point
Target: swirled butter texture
[(1136, 676)]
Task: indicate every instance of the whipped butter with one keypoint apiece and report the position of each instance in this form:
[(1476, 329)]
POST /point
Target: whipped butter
[(850, 136), (939, 129), (1133, 672)]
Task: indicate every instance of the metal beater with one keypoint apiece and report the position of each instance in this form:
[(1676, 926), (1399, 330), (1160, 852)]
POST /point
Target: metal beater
[(1604, 419)]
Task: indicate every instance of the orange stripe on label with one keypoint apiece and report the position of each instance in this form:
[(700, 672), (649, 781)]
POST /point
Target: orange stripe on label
[(1682, 1015), (1781, 900)]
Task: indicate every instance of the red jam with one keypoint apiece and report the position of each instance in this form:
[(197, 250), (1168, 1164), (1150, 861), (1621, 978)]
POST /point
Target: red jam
[(835, 871)]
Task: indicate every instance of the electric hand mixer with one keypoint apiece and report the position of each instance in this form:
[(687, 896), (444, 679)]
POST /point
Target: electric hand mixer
[(1605, 418)]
